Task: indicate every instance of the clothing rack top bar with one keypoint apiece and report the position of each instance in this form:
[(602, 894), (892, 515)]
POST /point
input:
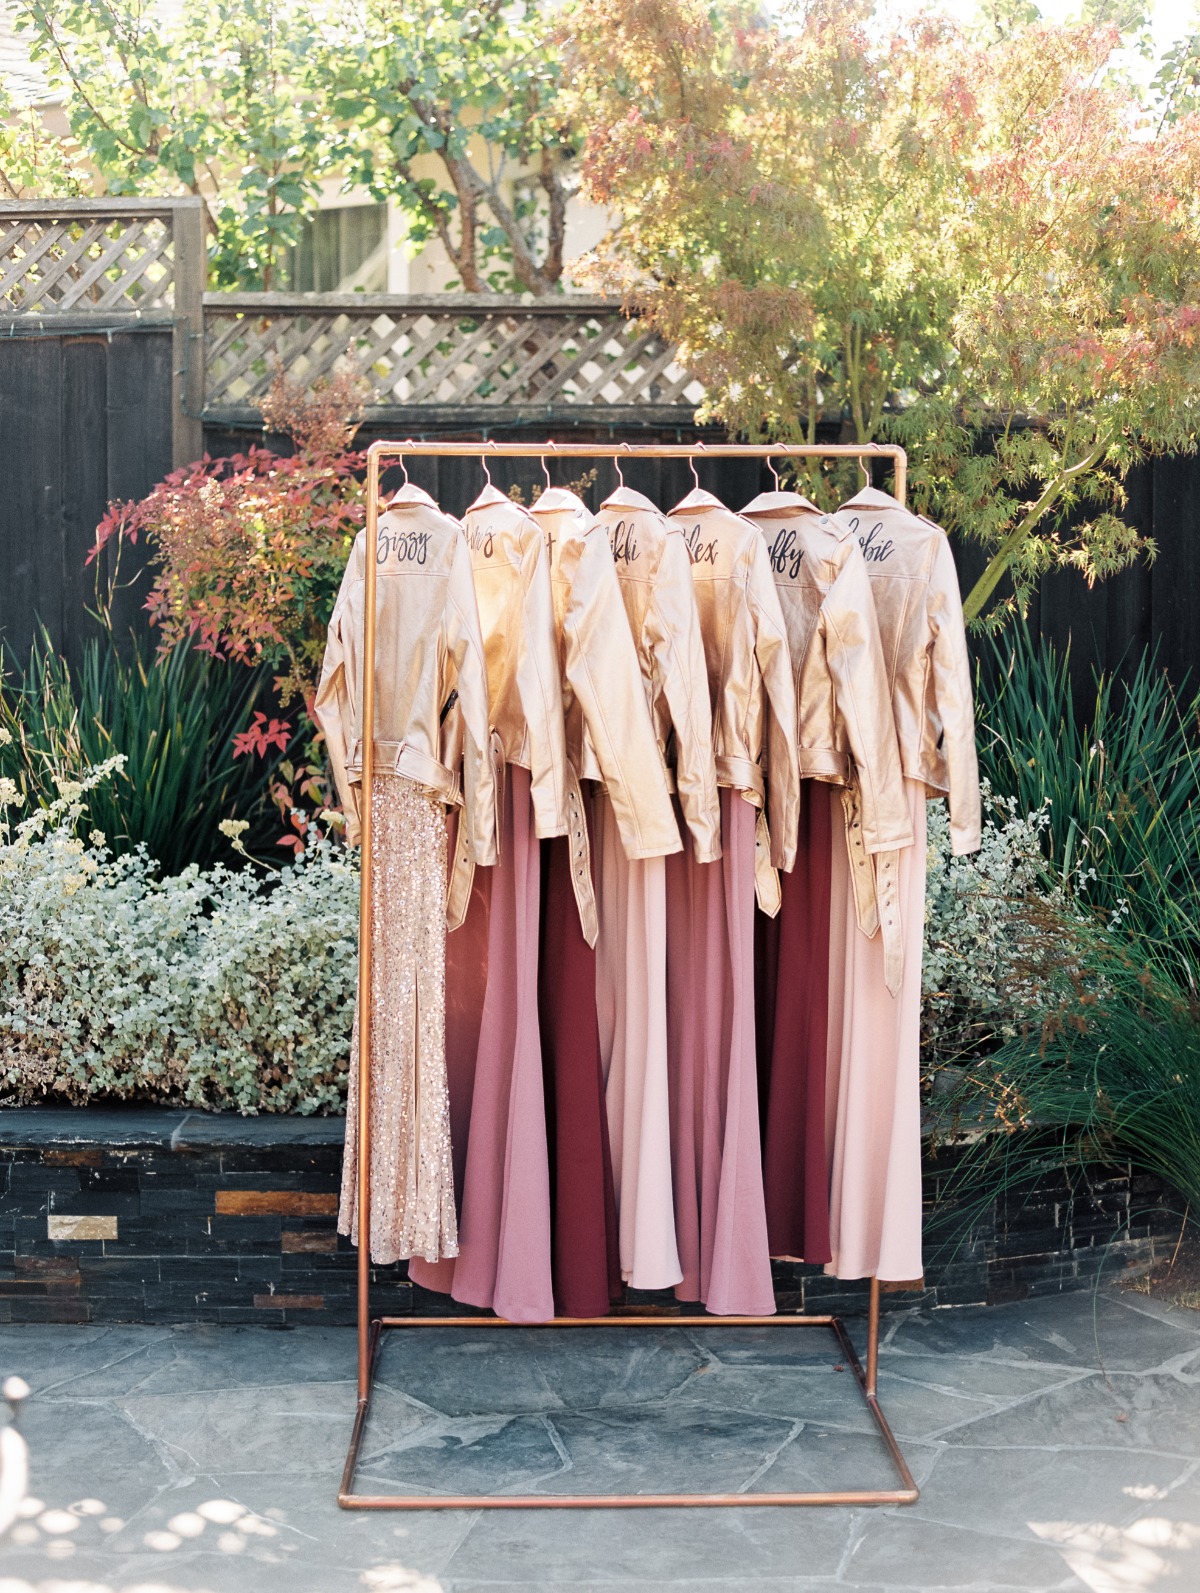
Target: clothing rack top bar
[(387, 449)]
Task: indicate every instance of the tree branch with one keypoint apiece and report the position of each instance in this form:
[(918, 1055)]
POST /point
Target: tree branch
[(981, 593)]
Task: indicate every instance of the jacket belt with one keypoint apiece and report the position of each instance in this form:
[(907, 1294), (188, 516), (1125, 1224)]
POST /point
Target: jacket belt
[(743, 774), (398, 757), (875, 881), (462, 872), (766, 878), (580, 851)]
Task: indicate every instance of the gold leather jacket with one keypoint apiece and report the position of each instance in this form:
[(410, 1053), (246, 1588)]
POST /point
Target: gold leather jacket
[(655, 573), (845, 727), (920, 613), (516, 615), (749, 670), (609, 735), (431, 703)]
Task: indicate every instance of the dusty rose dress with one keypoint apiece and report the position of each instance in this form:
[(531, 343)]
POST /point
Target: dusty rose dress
[(504, 1220)]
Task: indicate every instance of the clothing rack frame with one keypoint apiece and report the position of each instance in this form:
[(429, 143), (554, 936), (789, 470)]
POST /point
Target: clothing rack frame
[(370, 1331)]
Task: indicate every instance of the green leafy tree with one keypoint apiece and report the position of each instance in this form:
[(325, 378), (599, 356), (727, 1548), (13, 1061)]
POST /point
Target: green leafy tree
[(986, 247), (207, 100), (453, 109), (34, 160)]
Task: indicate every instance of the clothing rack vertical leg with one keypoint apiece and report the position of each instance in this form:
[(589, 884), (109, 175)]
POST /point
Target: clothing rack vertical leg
[(873, 1340)]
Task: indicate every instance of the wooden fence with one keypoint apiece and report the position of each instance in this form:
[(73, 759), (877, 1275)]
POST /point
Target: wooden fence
[(115, 364)]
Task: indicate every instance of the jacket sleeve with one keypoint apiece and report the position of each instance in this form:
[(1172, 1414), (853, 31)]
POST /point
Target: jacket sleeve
[(774, 661), (602, 670), (854, 654), (539, 685), (951, 671), (333, 707), (677, 648), (465, 655)]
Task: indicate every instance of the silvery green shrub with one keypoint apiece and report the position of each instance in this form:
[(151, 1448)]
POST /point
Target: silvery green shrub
[(218, 988), (983, 931), (223, 988)]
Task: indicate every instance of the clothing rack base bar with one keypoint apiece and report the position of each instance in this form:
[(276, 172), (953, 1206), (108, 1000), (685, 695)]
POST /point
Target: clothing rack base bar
[(370, 1331)]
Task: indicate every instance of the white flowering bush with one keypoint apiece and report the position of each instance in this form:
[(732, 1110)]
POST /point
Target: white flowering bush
[(982, 929), (232, 988), (215, 988)]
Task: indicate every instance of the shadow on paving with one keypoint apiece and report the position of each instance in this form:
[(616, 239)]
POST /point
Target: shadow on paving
[(1057, 1444)]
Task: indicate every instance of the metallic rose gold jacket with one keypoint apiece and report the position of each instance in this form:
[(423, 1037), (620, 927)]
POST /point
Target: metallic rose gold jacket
[(609, 735), (749, 669), (431, 702), (655, 573), (925, 648), (846, 729), (516, 615)]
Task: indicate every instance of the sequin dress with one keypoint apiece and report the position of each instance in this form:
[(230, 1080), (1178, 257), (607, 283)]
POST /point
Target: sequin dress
[(412, 1174)]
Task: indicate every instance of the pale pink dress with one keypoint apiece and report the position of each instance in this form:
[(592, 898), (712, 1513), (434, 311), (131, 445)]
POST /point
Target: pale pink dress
[(720, 1212), (631, 1006), (873, 1107)]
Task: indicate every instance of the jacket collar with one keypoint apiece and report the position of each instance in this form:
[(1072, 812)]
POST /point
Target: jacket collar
[(698, 498), (627, 498), (490, 497), (780, 503), (556, 499), (410, 496), (872, 498)]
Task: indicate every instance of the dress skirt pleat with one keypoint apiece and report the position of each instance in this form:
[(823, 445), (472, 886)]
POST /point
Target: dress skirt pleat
[(873, 1103), (412, 1178), (504, 1227), (792, 1012), (585, 1258), (720, 1212), (631, 1001)]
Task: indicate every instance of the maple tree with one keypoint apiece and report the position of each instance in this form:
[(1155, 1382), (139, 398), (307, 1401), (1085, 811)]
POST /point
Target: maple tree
[(985, 246)]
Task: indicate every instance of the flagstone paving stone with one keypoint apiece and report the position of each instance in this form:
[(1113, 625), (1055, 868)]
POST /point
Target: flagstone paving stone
[(1056, 1442)]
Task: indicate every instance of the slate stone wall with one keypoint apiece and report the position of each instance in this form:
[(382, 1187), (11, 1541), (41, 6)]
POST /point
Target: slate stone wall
[(141, 1216)]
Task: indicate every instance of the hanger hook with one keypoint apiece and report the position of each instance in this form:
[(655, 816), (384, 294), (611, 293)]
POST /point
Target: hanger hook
[(403, 470), (487, 474), (617, 465), (774, 474), (862, 465), (546, 473), (692, 468)]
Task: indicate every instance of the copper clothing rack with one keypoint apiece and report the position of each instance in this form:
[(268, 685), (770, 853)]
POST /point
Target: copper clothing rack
[(370, 1333)]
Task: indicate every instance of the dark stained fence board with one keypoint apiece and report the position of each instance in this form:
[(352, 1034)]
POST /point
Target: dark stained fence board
[(84, 484), (83, 418), (139, 451), (31, 519)]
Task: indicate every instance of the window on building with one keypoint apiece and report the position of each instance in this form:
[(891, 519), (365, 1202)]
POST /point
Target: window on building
[(341, 250)]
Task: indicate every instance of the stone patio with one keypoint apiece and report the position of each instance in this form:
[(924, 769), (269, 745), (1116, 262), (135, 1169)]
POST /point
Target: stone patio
[(1057, 1444)]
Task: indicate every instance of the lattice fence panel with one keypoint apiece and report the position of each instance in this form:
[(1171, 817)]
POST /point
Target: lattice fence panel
[(452, 357), (53, 264)]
